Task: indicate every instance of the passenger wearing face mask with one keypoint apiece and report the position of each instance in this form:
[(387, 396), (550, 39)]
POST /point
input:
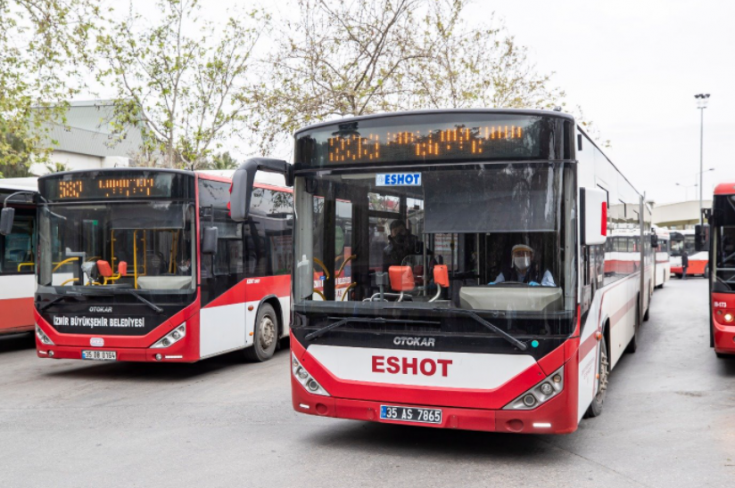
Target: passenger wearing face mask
[(401, 243), (523, 269)]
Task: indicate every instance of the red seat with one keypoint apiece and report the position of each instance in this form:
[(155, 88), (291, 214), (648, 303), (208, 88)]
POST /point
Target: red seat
[(122, 268), (401, 278), (104, 268)]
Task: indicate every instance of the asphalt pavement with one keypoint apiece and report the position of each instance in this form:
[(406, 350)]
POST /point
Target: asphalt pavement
[(669, 421)]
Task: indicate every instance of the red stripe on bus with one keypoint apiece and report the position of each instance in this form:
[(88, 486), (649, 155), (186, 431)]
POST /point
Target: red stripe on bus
[(254, 289)]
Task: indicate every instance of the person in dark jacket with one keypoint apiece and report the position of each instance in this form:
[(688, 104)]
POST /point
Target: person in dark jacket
[(401, 243), (523, 269), (684, 263)]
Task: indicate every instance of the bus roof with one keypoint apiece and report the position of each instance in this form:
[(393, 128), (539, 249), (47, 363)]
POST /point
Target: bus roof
[(385, 115), (725, 189), (18, 184)]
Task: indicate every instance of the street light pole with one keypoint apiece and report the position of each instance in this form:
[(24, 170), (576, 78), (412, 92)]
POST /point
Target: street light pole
[(702, 99)]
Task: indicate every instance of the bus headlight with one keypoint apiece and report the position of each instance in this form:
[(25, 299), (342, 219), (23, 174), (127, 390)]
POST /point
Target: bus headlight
[(43, 337), (302, 376), (171, 338), (539, 394)]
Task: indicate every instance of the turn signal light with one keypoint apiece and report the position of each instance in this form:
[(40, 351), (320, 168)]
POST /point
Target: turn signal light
[(725, 317), (43, 337), (172, 337), (541, 393), (303, 377)]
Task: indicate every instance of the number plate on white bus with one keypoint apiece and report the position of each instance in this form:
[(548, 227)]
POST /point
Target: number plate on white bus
[(411, 414), (100, 355)]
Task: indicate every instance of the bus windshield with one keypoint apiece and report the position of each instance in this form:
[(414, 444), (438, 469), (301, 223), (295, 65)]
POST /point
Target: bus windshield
[(724, 243), (680, 242), (370, 241), (145, 247)]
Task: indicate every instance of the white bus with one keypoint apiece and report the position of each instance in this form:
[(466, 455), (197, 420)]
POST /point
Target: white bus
[(18, 256), (663, 264), (485, 304)]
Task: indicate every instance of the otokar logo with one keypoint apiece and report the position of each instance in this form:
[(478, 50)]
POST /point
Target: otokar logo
[(415, 341), (100, 309)]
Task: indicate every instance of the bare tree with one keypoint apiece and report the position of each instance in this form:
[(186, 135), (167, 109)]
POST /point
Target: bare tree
[(361, 57), (182, 80)]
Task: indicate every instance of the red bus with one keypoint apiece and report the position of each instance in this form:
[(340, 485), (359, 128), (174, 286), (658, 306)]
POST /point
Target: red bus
[(478, 299), (146, 265), (722, 282), (17, 258), (698, 258)]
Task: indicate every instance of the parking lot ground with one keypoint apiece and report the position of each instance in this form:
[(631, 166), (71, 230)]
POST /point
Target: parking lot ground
[(669, 421)]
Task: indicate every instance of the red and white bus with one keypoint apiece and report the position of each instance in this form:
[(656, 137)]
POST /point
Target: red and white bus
[(722, 283), (146, 265), (17, 257), (479, 300), (698, 260), (663, 263)]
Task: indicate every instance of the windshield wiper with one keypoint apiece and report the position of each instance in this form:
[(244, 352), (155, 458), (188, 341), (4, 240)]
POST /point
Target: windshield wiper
[(370, 320), (57, 300), (150, 304), (520, 345)]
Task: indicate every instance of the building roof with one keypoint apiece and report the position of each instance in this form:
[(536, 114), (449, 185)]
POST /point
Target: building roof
[(680, 213), (88, 130)]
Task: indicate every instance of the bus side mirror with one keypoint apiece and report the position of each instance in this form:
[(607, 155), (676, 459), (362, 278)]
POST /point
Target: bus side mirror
[(244, 179), (701, 237), (593, 212), (6, 220), (209, 240), (654, 241)]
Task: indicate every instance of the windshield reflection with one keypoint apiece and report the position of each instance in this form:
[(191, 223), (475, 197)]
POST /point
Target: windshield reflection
[(103, 248)]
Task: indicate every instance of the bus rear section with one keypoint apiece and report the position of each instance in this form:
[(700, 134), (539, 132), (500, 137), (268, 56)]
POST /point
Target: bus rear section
[(722, 282), (469, 304), (684, 240), (17, 259), (146, 265), (662, 256)]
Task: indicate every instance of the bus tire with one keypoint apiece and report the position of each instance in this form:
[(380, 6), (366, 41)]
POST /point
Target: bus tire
[(265, 337), (706, 273), (724, 356), (603, 369)]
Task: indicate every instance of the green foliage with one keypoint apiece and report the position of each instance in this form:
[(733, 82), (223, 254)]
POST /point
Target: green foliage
[(182, 79), (57, 167), (43, 57), (222, 161)]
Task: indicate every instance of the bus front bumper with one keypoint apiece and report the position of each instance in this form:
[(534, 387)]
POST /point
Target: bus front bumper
[(724, 338), (121, 353), (553, 417)]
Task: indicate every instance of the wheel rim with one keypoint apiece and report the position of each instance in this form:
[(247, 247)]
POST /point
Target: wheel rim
[(267, 333), (604, 372)]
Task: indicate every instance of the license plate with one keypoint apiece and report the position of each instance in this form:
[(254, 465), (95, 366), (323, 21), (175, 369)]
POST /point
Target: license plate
[(411, 414), (100, 355)]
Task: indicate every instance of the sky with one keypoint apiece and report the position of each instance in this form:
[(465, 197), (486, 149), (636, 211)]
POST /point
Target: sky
[(633, 66)]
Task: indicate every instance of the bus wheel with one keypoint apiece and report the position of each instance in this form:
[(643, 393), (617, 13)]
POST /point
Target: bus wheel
[(706, 273), (595, 408), (724, 356), (266, 335)]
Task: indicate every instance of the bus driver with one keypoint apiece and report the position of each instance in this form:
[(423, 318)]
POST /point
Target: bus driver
[(523, 269)]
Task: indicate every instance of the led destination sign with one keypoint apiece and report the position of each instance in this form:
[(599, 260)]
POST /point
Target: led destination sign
[(430, 137), (101, 185)]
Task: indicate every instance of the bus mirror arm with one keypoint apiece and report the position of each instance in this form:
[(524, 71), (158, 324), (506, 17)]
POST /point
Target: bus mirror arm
[(244, 179)]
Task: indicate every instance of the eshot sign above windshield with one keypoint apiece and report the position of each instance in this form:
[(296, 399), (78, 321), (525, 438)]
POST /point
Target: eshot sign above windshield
[(398, 179)]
